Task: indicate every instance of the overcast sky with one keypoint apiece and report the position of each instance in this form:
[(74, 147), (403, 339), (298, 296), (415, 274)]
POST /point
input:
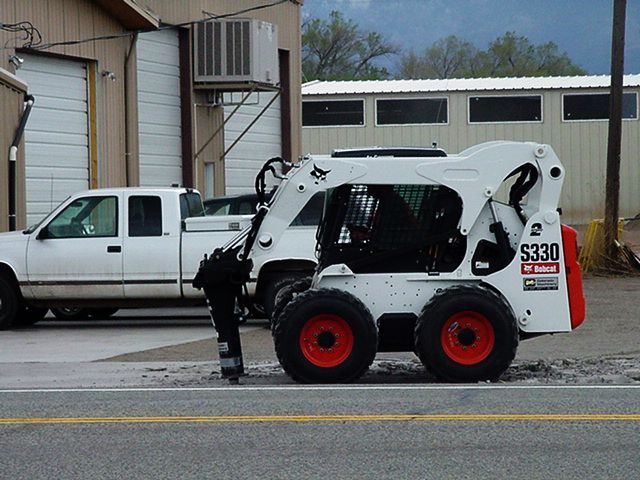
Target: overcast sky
[(582, 28)]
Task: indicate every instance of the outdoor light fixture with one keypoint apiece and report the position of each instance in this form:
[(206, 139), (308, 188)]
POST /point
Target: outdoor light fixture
[(16, 61), (108, 74)]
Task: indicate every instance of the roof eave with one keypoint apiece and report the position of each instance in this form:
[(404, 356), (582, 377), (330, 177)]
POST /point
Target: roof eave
[(131, 15)]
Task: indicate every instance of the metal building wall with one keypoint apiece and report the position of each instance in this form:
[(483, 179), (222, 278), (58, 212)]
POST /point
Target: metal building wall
[(581, 146), (286, 16), (12, 100), (63, 20)]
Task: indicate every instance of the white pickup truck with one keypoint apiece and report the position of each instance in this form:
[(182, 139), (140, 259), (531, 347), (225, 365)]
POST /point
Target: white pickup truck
[(106, 249)]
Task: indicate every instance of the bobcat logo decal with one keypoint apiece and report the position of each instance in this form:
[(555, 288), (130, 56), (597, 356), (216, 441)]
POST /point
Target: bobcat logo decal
[(319, 174)]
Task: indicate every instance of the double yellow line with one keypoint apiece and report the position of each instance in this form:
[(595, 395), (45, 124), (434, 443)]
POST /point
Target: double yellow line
[(559, 417)]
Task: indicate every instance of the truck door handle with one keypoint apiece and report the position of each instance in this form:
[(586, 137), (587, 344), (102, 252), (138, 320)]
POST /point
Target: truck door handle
[(114, 249)]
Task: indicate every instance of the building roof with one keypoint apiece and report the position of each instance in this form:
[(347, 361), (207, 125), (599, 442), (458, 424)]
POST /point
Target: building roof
[(361, 87)]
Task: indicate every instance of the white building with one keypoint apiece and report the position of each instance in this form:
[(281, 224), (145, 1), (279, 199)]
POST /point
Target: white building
[(569, 113)]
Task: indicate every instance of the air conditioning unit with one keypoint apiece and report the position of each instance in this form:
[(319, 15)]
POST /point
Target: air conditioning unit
[(239, 50)]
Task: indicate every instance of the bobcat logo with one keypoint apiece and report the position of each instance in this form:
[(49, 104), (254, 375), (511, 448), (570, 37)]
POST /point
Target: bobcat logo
[(319, 174)]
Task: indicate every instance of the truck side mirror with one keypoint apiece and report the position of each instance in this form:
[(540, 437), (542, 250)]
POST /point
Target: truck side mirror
[(43, 234)]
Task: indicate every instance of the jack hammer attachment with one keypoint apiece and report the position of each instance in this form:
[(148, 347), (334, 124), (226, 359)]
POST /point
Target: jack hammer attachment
[(221, 276)]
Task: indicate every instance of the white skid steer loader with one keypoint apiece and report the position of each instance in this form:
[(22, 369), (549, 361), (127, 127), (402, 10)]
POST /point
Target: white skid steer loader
[(414, 254)]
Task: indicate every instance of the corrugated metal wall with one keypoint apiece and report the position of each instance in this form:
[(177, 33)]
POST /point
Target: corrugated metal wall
[(581, 146), (286, 16), (12, 101), (63, 20)]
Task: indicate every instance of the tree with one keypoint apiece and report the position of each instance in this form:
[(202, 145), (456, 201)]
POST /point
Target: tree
[(447, 58), (338, 49), (507, 56)]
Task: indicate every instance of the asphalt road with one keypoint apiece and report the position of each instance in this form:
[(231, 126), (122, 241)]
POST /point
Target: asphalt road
[(323, 432)]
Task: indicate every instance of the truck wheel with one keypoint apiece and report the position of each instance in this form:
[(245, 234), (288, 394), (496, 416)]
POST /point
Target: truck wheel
[(8, 304), (466, 334), (70, 313), (28, 316), (275, 284), (285, 295), (325, 336)]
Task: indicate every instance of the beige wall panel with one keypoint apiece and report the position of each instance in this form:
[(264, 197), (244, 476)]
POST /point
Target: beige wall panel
[(62, 20), (12, 106), (207, 121)]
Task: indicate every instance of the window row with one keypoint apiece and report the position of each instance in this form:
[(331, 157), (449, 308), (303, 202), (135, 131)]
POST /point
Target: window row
[(482, 109)]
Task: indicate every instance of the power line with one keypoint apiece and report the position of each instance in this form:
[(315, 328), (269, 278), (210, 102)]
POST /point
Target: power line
[(34, 39)]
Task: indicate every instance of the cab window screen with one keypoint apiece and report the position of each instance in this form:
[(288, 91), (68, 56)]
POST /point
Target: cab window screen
[(505, 109)]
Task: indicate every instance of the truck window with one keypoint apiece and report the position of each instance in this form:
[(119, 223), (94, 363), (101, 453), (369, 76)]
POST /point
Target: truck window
[(86, 217), (191, 205), (145, 216)]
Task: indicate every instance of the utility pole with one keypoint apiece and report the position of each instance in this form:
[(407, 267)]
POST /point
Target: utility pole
[(612, 195)]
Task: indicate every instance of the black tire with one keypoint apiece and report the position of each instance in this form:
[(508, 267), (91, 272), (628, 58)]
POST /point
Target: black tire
[(480, 349), (287, 294), (275, 284), (101, 313), (9, 304), (338, 332), (71, 313), (28, 316)]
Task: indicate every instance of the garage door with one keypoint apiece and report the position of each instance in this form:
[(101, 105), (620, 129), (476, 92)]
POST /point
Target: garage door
[(262, 142), (57, 133), (159, 108)]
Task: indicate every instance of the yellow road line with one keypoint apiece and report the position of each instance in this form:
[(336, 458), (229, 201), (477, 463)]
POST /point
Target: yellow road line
[(560, 417)]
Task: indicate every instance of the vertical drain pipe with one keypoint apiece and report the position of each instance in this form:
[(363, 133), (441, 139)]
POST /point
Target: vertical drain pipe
[(13, 157)]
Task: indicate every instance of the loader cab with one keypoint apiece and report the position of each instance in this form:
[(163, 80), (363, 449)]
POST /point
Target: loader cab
[(392, 228)]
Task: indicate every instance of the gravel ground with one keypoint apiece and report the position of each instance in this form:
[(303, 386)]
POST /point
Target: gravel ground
[(604, 350)]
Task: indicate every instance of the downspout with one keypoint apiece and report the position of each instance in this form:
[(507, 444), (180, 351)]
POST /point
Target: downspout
[(13, 158)]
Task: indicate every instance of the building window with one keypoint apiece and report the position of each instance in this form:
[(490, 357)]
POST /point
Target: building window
[(576, 107), (525, 108), (414, 111), (333, 113)]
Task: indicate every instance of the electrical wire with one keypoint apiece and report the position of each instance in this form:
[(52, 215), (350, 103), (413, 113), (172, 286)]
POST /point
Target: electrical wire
[(33, 33), (32, 36)]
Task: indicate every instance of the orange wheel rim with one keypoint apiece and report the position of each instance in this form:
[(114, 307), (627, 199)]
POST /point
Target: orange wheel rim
[(467, 337), (326, 340)]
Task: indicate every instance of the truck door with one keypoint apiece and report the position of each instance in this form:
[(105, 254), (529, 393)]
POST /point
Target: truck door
[(78, 254), (151, 248)]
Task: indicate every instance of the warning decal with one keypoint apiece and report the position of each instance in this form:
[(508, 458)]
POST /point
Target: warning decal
[(539, 283)]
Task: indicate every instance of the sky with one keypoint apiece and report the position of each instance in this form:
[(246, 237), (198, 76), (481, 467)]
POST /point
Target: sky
[(581, 28)]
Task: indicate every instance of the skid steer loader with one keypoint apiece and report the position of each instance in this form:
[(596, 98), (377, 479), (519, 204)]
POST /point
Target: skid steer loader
[(455, 258)]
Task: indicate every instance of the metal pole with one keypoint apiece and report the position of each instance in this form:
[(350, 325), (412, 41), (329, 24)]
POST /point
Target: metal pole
[(612, 196)]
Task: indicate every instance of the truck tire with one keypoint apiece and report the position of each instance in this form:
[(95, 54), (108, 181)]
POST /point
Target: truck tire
[(9, 304), (71, 313), (466, 334), (285, 295), (275, 284), (325, 336), (28, 316)]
